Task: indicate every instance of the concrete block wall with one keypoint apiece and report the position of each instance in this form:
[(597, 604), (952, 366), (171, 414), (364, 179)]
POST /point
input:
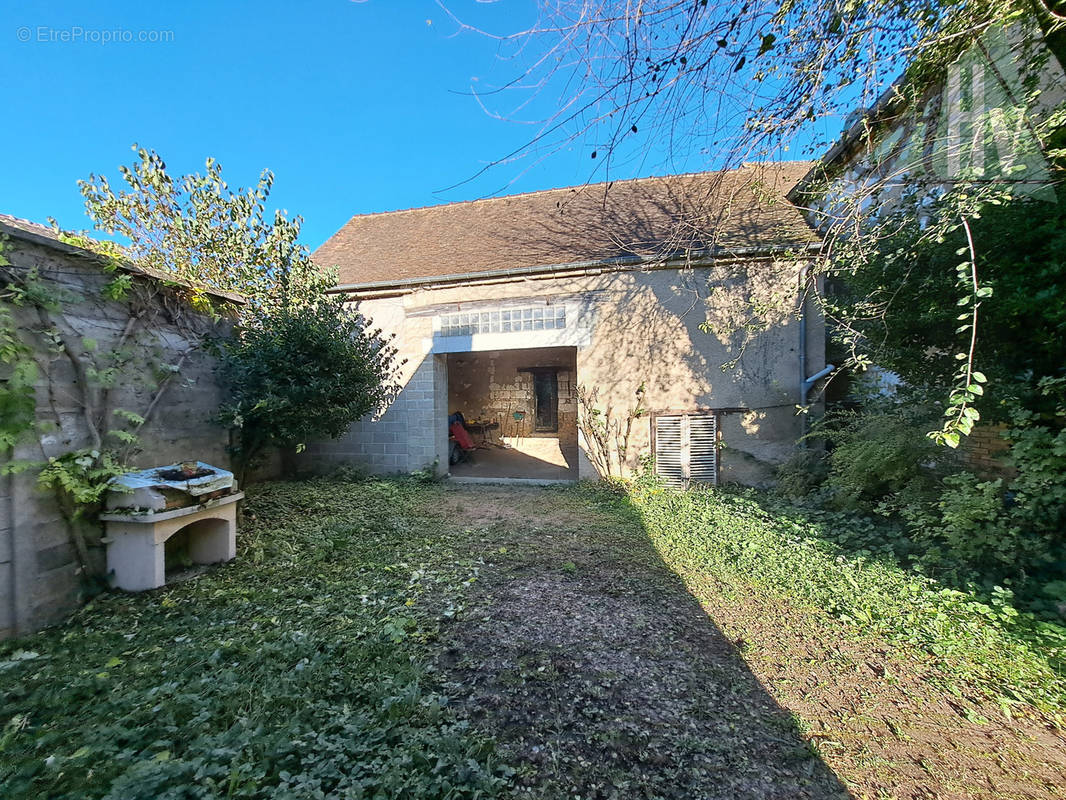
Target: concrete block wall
[(427, 414), (7, 606), (409, 436), (41, 578)]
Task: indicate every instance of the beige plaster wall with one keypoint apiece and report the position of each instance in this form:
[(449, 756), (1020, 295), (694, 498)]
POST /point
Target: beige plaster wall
[(690, 336)]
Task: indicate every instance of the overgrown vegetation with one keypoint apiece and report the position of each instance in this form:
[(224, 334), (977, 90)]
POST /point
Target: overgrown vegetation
[(982, 532), (299, 372), (309, 666), (300, 364), (966, 522), (904, 308), (297, 671), (855, 568), (116, 379)]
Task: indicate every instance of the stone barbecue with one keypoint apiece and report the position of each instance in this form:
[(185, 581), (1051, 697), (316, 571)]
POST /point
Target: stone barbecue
[(146, 509)]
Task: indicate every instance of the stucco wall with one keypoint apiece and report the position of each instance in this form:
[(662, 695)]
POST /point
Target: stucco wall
[(629, 328), (40, 576)]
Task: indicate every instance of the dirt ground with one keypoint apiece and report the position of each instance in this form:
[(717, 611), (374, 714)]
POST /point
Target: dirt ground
[(603, 674)]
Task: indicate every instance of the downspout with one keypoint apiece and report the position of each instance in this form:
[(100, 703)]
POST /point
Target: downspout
[(806, 383)]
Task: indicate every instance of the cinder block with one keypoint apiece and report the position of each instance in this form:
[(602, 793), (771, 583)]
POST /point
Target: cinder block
[(6, 545), (49, 530), (55, 557)]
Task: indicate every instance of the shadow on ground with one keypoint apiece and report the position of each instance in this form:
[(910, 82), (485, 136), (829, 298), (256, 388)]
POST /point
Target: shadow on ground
[(491, 462), (599, 674)]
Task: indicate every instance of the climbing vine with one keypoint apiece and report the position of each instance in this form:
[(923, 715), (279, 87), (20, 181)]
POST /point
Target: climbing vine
[(606, 437), (61, 355), (17, 403)]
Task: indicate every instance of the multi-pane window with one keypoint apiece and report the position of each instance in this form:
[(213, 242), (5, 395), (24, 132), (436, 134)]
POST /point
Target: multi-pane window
[(511, 320)]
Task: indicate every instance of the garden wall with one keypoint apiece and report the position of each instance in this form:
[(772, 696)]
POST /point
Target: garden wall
[(96, 350)]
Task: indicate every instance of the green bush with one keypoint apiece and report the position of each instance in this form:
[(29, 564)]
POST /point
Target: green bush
[(803, 474), (950, 523), (881, 459), (299, 372), (1012, 529)]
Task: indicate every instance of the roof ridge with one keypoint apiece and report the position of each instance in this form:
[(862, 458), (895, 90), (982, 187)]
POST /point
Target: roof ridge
[(461, 203), (11, 218)]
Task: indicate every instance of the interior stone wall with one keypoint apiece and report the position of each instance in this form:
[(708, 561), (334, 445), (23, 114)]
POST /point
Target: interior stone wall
[(494, 386)]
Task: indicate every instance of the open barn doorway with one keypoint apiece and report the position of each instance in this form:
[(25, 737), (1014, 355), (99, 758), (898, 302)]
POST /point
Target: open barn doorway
[(519, 409)]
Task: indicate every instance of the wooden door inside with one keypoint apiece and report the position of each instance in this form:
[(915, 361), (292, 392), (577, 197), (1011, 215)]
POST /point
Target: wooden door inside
[(546, 394)]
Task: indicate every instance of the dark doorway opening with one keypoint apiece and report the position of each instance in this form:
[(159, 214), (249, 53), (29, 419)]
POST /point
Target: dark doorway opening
[(546, 392)]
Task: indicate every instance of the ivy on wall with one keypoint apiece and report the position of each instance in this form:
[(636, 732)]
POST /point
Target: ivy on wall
[(43, 323)]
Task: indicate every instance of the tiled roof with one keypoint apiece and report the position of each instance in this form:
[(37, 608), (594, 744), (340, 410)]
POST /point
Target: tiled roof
[(26, 226), (741, 210)]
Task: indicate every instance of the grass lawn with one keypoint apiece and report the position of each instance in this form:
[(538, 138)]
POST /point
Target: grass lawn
[(388, 639)]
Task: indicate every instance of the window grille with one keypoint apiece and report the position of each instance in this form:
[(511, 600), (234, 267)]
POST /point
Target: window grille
[(686, 448), (511, 320)]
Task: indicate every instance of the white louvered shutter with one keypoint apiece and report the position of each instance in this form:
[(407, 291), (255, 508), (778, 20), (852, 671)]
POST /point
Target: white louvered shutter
[(703, 448), (668, 450), (686, 448)]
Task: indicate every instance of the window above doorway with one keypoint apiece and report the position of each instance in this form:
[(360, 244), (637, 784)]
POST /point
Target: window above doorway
[(509, 320)]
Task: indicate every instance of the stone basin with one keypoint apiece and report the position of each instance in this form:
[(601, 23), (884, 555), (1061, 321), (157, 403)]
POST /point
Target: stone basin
[(156, 489)]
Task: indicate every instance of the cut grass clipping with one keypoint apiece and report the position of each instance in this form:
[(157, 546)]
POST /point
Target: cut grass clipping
[(295, 672), (300, 669)]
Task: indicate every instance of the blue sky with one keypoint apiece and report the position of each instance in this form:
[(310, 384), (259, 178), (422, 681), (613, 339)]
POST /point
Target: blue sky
[(356, 106)]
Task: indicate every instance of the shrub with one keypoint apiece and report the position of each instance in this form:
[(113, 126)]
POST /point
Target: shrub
[(297, 372), (803, 474), (1002, 530), (881, 460)]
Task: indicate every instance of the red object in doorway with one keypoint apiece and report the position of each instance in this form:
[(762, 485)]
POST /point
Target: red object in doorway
[(461, 436)]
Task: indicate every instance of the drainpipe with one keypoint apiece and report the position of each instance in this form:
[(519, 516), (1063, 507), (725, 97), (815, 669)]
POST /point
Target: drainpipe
[(809, 383), (806, 383)]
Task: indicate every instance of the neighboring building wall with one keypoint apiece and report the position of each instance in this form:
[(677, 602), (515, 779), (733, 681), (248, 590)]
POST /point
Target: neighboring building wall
[(985, 121), (630, 328), (984, 452), (40, 576)]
